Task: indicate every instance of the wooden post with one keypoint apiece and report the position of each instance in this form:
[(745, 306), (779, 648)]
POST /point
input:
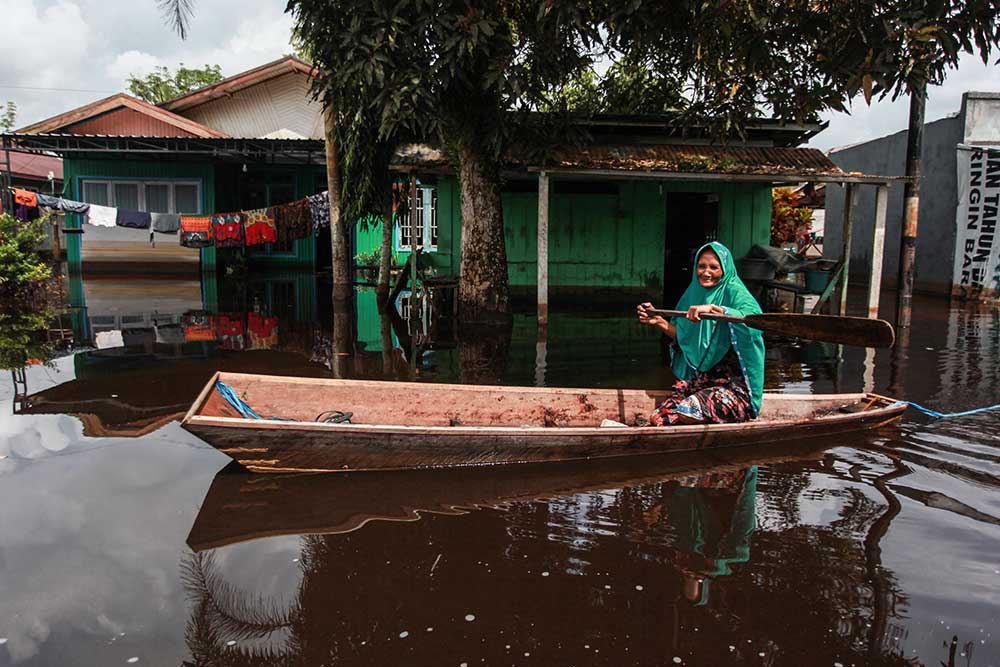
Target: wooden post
[(850, 197), (7, 182), (541, 352), (413, 246), (911, 205), (543, 248), (878, 248)]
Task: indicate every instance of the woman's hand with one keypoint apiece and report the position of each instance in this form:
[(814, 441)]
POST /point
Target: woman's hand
[(661, 323), (695, 312), (645, 317)]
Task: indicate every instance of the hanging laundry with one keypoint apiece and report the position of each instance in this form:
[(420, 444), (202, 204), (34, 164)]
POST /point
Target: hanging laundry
[(25, 198), (133, 219), (196, 231), (165, 223), (231, 331), (260, 226), (199, 327), (228, 230), (101, 216), (62, 204), (25, 213), (319, 209), (293, 220), (263, 331), (169, 334)]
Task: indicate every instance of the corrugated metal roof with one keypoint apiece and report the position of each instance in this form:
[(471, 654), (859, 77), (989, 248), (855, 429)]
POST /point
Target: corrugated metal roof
[(700, 159), (35, 166)]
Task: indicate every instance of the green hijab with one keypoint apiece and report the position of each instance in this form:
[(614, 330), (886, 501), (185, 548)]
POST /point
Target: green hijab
[(703, 344)]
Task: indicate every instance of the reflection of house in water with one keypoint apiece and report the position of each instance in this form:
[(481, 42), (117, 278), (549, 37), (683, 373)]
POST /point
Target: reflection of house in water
[(160, 341)]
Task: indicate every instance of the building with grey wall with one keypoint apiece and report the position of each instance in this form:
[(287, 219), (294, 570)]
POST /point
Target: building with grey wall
[(976, 123)]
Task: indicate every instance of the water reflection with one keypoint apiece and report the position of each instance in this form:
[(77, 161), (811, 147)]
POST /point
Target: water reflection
[(636, 568)]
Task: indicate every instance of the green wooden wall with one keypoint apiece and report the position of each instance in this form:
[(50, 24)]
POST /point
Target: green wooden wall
[(602, 240), (76, 170), (218, 194)]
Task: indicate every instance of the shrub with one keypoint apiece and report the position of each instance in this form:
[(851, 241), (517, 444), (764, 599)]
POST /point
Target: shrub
[(22, 268), (790, 223)]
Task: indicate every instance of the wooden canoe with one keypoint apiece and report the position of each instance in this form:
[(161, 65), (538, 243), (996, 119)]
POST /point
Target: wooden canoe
[(408, 425)]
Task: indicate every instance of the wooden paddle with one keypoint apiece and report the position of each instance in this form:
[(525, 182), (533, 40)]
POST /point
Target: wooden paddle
[(859, 331)]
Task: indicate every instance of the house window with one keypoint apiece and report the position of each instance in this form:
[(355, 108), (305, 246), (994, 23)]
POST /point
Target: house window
[(150, 196), (426, 223)]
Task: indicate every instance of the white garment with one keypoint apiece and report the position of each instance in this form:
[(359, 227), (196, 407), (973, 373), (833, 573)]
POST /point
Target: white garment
[(106, 339), (102, 216)]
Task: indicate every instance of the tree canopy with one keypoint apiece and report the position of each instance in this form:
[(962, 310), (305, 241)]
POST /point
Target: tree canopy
[(733, 61), (161, 84), (8, 117)]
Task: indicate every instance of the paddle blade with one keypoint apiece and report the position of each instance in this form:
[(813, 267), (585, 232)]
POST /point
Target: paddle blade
[(859, 331)]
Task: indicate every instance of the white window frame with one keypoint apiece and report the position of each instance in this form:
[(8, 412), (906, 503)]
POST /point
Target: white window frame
[(428, 213), (110, 183)]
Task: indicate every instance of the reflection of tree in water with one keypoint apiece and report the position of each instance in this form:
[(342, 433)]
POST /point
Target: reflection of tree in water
[(806, 594)]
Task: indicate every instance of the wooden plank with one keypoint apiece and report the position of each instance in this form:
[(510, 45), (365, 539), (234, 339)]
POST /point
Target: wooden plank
[(834, 277), (850, 197), (413, 245), (543, 248), (878, 249)]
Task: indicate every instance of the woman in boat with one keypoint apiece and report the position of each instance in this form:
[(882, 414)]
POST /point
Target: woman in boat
[(719, 365)]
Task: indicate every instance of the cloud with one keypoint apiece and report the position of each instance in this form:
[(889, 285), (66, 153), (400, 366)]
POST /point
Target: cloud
[(93, 46), (888, 117), (132, 62)]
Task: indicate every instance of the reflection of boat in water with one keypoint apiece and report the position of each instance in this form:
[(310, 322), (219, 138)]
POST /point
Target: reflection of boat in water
[(122, 392), (399, 425), (240, 506)]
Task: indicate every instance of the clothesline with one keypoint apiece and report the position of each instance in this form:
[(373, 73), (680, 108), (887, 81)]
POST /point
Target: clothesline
[(285, 222)]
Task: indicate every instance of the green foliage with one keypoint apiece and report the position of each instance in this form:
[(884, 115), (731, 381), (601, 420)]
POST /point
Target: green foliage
[(790, 223), (395, 71), (22, 340), (22, 269), (627, 87), (162, 85), (735, 60), (8, 117)]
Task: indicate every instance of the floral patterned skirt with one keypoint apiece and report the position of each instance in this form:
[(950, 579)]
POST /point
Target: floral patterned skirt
[(719, 396)]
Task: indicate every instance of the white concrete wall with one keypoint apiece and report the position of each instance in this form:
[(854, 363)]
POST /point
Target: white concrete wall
[(886, 156), (982, 117)]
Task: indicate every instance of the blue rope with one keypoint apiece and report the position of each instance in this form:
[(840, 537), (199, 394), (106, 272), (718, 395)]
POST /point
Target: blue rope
[(227, 393), (942, 415)]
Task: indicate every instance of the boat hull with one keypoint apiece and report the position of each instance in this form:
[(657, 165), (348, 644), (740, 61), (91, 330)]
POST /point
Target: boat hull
[(292, 446)]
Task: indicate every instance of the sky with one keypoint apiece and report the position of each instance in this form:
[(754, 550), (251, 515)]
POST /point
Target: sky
[(62, 54)]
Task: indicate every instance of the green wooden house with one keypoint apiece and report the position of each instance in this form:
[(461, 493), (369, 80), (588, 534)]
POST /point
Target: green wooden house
[(248, 141), (623, 214)]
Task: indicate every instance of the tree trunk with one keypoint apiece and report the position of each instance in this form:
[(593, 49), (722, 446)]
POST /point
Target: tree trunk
[(385, 255), (482, 291), (340, 242), (343, 338)]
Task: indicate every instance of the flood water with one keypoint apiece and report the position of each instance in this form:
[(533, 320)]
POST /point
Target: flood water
[(126, 540)]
